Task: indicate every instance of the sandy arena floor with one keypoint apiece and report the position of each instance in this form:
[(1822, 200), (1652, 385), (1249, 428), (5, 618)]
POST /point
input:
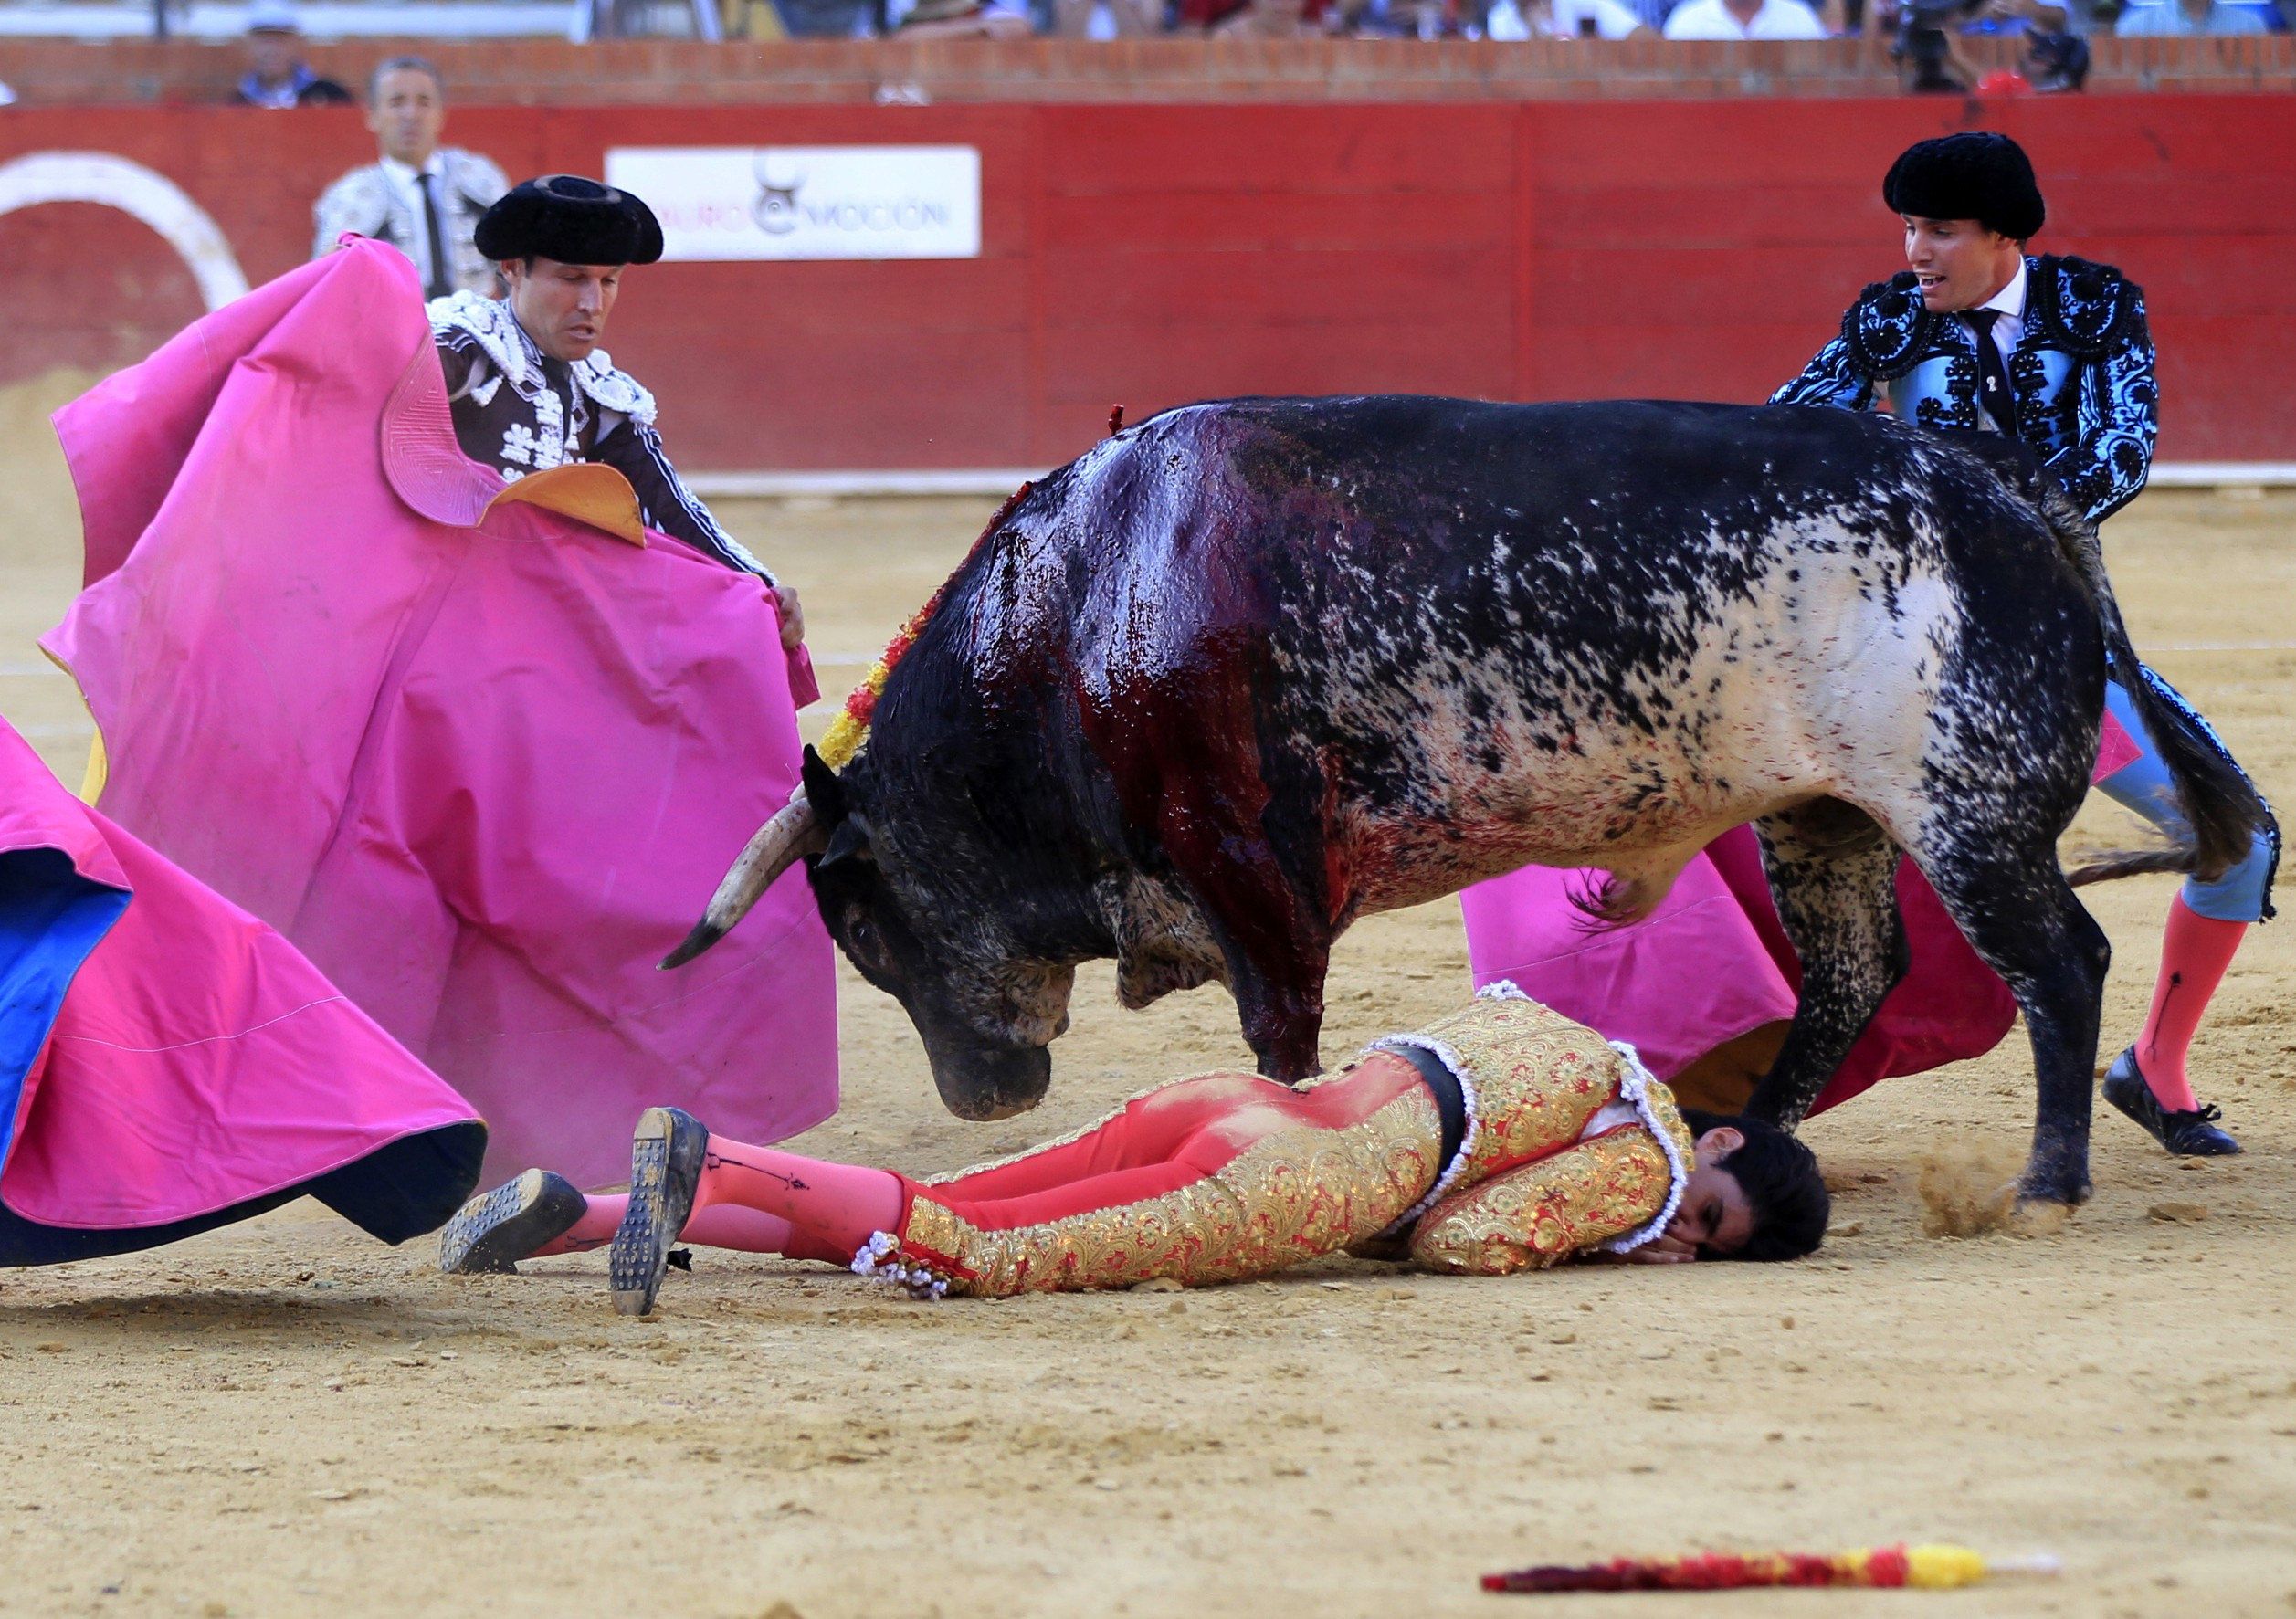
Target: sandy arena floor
[(284, 1418)]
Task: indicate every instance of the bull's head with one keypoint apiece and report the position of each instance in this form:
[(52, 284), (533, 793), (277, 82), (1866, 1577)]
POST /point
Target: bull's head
[(984, 1007)]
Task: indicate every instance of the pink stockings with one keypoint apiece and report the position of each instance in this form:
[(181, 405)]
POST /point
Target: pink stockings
[(2196, 951), (761, 1201)]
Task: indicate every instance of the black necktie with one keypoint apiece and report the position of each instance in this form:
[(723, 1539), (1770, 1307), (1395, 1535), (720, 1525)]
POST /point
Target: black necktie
[(442, 282), (1993, 384)]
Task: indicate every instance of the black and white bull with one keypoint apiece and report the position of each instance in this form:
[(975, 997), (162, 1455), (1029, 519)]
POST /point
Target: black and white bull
[(1253, 669)]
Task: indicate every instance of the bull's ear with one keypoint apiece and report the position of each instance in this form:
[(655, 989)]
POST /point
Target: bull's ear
[(823, 790), (849, 841)]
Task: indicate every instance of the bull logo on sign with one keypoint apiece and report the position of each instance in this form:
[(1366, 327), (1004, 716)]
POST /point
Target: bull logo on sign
[(776, 209)]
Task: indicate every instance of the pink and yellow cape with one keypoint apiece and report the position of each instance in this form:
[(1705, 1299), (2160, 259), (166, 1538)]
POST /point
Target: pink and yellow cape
[(168, 1062)]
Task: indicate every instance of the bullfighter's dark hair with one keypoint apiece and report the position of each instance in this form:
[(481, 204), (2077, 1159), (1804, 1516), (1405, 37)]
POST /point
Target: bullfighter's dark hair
[(406, 64), (1781, 1180)]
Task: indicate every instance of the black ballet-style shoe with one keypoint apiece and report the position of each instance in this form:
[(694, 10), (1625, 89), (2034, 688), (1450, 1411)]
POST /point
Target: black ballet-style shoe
[(667, 1153), (2192, 1133), (491, 1232)]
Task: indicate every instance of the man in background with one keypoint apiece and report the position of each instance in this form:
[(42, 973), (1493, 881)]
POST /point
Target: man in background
[(2208, 18), (276, 73), (1744, 19), (422, 198)]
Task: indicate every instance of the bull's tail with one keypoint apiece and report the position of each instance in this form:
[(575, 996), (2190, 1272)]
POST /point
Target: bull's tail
[(2220, 804)]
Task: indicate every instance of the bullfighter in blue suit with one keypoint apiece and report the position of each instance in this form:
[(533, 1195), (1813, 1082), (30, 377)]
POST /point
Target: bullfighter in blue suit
[(1980, 337)]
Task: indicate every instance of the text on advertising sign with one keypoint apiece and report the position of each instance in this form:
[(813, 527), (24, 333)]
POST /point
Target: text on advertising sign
[(807, 202)]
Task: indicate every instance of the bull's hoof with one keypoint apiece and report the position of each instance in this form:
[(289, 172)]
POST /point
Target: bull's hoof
[(2062, 1190), (2034, 1217)]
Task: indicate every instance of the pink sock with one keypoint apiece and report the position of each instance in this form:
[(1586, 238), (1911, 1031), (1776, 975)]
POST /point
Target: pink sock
[(722, 1226), (833, 1207), (593, 1230), (2195, 952), (748, 1231)]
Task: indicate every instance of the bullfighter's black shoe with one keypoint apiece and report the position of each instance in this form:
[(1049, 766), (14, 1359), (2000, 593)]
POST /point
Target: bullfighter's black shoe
[(491, 1232), (666, 1154), (2192, 1133)]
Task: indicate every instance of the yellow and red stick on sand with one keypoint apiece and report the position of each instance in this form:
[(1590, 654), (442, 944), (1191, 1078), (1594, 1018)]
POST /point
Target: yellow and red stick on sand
[(1925, 1568)]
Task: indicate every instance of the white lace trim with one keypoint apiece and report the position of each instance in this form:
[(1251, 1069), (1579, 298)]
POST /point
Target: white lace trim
[(496, 330), (1634, 1085), (874, 1259)]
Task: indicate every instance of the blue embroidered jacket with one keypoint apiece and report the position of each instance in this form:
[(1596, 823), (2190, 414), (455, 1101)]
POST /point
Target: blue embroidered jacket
[(2081, 376)]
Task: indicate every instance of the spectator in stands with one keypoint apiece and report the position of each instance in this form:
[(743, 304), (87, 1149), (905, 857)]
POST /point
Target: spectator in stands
[(423, 198), (1745, 20), (1562, 19), (2152, 18), (961, 20), (276, 73)]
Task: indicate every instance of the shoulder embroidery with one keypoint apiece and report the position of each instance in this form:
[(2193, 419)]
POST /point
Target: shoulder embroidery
[(359, 202), (614, 390), (490, 325), (2080, 306), (487, 323), (1889, 328), (476, 177)]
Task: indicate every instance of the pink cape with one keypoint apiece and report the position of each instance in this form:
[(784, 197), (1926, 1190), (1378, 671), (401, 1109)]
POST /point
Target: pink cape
[(483, 761), (176, 1057), (1711, 962)]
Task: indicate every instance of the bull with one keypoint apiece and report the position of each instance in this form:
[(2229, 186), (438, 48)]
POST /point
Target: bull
[(1252, 669)]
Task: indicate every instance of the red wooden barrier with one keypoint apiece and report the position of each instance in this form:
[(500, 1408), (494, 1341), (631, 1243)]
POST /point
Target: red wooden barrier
[(1154, 253)]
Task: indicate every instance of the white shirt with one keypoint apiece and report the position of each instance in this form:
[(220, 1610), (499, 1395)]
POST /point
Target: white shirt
[(2010, 324), (1778, 19), (1561, 20), (405, 180)]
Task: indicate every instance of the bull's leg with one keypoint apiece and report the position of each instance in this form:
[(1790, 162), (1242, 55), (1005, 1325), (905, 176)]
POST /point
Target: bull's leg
[(1275, 945), (2018, 912), (1833, 873), (1283, 1012)]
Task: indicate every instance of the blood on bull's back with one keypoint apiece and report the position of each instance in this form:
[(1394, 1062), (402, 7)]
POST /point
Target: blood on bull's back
[(1479, 636)]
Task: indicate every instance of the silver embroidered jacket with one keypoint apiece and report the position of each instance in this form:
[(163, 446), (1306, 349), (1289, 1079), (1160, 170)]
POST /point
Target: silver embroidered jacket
[(519, 411), (2081, 374), (366, 204)]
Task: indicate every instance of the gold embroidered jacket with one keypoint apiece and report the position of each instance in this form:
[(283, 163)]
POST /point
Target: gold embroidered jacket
[(1529, 1185)]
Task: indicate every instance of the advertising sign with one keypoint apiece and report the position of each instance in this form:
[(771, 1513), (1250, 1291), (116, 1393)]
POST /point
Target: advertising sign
[(807, 202)]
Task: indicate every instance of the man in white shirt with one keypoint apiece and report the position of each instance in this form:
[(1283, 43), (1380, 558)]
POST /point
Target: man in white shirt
[(1562, 19), (2189, 17), (423, 198), (1744, 19)]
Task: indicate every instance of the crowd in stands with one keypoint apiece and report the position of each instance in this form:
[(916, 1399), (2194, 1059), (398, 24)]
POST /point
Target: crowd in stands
[(1543, 19), (1925, 36)]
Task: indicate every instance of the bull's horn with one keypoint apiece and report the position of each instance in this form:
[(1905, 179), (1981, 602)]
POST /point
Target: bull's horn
[(794, 832)]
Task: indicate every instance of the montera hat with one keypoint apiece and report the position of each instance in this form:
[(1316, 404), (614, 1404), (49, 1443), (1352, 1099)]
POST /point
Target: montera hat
[(1974, 175), (572, 220)]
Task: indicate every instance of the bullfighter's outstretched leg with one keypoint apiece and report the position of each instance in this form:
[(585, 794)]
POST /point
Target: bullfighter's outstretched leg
[(2019, 914), (541, 1215), (1833, 872)]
